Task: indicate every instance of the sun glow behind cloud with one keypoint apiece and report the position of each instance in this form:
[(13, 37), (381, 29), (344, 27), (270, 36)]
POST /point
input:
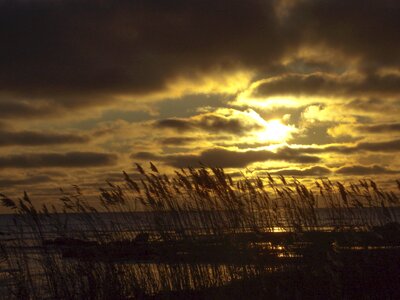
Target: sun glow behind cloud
[(272, 130), (275, 131)]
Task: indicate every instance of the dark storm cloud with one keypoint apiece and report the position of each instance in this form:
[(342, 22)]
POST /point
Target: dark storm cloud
[(33, 138), (213, 123), (313, 171), (327, 85), (364, 29), (364, 170), (64, 160), (226, 158), (74, 51), (84, 51)]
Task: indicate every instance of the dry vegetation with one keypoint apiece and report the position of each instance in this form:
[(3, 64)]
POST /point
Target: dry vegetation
[(201, 234)]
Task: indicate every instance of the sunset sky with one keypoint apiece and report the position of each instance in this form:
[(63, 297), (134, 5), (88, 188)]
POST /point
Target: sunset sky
[(292, 87)]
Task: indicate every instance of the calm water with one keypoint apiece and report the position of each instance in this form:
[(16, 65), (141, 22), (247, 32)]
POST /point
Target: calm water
[(149, 221), (132, 223)]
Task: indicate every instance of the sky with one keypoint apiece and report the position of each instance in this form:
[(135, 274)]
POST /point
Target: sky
[(304, 88)]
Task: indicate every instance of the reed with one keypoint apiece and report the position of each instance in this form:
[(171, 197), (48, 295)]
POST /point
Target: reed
[(201, 233)]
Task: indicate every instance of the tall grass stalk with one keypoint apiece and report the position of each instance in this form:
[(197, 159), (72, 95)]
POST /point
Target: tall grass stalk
[(200, 208)]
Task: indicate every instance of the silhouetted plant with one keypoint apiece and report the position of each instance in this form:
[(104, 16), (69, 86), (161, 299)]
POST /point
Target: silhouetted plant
[(199, 231)]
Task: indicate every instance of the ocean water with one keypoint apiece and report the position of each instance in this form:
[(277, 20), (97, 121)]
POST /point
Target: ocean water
[(19, 236), (325, 219)]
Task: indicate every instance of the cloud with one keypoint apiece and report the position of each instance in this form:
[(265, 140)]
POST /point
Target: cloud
[(375, 105), (78, 53), (384, 146), (362, 29), (33, 138), (328, 85), (222, 120), (177, 140), (380, 128), (239, 145), (62, 160), (8, 182), (322, 133), (113, 59), (313, 171), (17, 109), (226, 158), (176, 124), (146, 156), (365, 170)]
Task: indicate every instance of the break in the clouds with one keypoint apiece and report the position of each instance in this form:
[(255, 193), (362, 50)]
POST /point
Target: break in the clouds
[(300, 87)]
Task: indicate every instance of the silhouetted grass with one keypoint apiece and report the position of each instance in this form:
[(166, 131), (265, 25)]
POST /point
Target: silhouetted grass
[(202, 234)]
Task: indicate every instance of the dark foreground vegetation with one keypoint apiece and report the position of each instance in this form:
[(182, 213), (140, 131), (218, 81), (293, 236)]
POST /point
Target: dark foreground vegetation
[(202, 235)]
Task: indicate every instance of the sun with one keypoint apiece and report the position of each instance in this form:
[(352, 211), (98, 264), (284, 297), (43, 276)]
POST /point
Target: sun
[(272, 130), (275, 131)]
